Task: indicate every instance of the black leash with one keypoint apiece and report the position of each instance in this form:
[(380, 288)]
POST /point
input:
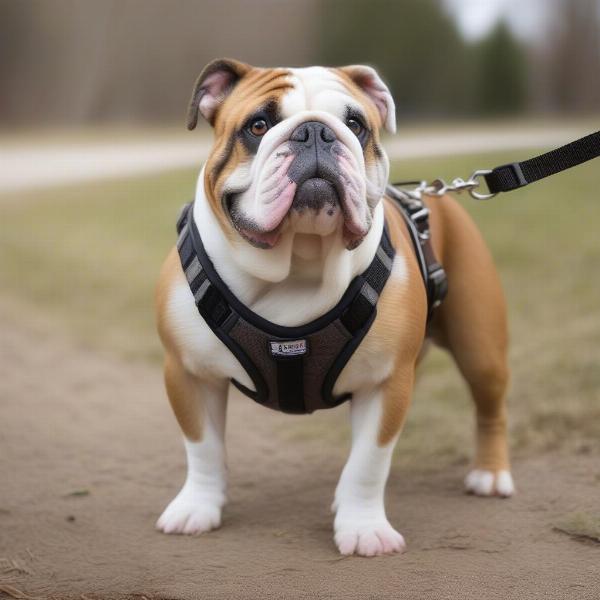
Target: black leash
[(519, 174), (513, 176)]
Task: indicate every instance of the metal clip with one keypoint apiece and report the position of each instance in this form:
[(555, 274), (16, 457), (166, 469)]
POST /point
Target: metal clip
[(439, 187)]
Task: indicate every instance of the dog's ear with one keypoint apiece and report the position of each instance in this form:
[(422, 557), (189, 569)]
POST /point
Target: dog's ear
[(368, 80), (213, 85)]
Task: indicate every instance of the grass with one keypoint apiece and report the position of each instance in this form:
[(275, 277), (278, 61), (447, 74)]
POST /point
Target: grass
[(88, 256), (86, 259)]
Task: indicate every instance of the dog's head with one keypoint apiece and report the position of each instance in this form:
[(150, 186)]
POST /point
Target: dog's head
[(296, 150)]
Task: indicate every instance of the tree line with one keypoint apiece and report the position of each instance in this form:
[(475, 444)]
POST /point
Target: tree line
[(68, 61), (434, 71)]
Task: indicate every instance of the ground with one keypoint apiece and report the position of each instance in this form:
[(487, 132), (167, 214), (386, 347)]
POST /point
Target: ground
[(90, 453)]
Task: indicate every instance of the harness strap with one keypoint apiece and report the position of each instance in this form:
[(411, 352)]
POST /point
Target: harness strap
[(416, 216), (210, 302), (518, 174), (294, 382), (363, 305)]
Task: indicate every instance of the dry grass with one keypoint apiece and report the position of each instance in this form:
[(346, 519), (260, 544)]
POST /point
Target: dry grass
[(86, 259), (582, 526), (88, 256)]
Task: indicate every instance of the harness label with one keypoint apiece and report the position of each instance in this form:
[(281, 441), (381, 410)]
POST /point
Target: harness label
[(293, 348)]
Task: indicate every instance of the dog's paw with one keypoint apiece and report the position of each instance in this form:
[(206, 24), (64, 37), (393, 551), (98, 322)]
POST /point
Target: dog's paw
[(490, 483), (190, 514), (370, 538)]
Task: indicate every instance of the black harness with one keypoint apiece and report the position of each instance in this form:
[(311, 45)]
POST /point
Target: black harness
[(294, 369)]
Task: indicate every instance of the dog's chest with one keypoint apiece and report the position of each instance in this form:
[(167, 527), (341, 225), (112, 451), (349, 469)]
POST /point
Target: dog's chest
[(207, 357)]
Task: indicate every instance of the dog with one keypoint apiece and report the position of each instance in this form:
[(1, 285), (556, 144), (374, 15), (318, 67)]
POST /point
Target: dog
[(288, 247)]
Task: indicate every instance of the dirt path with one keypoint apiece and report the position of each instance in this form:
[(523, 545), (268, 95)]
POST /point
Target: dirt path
[(89, 455)]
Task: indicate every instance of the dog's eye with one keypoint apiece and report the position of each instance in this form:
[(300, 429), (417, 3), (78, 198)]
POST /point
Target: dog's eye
[(355, 126), (258, 127)]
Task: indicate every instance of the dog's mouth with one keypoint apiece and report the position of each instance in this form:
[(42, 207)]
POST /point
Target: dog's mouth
[(247, 227), (312, 183), (318, 205), (326, 201), (315, 194)]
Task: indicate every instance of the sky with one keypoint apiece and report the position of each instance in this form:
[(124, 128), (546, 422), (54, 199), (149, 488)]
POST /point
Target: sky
[(476, 17)]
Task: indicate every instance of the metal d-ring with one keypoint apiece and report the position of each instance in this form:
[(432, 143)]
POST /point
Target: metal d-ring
[(475, 180)]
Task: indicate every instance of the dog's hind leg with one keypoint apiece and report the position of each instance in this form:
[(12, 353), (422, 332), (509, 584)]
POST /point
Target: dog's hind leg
[(471, 323), (483, 364), (200, 411)]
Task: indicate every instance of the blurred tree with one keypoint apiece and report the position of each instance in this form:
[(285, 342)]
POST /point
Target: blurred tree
[(69, 61), (573, 55), (13, 35), (414, 44), (73, 61), (502, 80)]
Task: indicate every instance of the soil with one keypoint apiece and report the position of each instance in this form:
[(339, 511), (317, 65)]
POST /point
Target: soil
[(90, 454)]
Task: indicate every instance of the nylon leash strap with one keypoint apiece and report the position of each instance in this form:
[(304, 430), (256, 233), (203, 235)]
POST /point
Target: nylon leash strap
[(519, 174), (513, 176)]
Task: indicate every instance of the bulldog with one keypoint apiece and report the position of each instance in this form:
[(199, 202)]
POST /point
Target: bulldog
[(290, 208)]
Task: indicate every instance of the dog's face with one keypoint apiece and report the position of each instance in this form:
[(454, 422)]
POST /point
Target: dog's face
[(296, 150)]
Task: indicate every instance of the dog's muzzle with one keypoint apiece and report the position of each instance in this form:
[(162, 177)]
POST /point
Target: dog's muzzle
[(313, 176), (314, 168)]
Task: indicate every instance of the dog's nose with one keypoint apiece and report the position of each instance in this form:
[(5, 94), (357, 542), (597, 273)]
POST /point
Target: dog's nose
[(312, 131)]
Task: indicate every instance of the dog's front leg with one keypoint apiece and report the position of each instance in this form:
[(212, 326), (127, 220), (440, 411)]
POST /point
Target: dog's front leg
[(200, 410), (361, 526)]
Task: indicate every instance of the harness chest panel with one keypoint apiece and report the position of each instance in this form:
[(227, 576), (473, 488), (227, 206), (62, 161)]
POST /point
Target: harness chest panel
[(293, 369)]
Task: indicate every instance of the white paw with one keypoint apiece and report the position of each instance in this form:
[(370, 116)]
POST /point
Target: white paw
[(369, 538), (490, 483), (191, 513)]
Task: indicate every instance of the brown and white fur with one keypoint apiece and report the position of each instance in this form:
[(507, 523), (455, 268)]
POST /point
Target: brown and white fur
[(291, 262)]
